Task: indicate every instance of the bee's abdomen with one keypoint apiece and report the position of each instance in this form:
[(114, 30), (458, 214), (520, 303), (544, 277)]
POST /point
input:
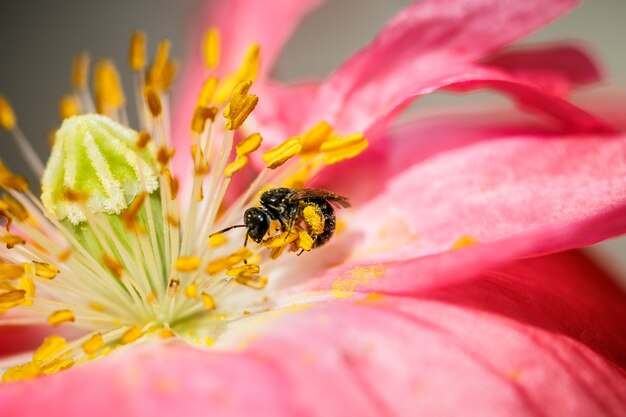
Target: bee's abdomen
[(330, 222)]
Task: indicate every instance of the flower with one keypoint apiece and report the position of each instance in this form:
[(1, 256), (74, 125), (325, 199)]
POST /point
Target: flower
[(449, 288)]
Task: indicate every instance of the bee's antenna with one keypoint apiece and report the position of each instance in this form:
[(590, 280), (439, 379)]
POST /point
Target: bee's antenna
[(227, 229)]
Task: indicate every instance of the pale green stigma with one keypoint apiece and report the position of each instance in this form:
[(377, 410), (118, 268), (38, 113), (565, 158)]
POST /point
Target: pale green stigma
[(95, 157)]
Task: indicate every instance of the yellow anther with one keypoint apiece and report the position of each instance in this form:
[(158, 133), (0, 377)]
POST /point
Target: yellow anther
[(61, 316), (249, 144), (153, 100), (172, 182), (344, 147), (254, 282), (44, 270), (137, 51), (240, 105), (207, 92), (216, 266), (168, 74), (238, 256), (217, 240), (12, 181), (157, 71), (22, 372), (280, 154), (93, 344), (64, 255), (191, 291), (10, 271), (250, 66), (113, 265), (7, 116), (200, 164), (208, 301), (97, 307), (305, 241), (11, 240), (68, 106), (143, 139), (14, 208), (28, 286), (129, 216), (108, 89), (172, 287), (80, 70), (249, 269), (200, 116), (464, 241), (166, 333), (281, 240), (314, 137), (187, 263), (151, 297), (236, 166), (57, 366), (164, 154), (51, 348), (131, 335), (12, 298), (212, 48), (314, 218)]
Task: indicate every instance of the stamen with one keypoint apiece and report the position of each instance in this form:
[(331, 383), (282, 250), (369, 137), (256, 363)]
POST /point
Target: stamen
[(132, 334), (187, 263), (208, 301), (61, 316), (240, 106), (137, 51), (153, 100), (93, 344), (10, 271), (7, 116), (8, 121), (108, 89), (349, 146), (280, 154), (207, 92)]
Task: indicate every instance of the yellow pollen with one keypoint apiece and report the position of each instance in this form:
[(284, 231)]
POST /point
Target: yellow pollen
[(68, 106), (305, 241), (80, 70), (187, 263), (44, 270), (281, 240), (12, 298), (166, 333), (240, 105), (113, 265), (51, 348), (208, 301), (254, 282), (314, 218), (249, 144), (143, 139), (464, 241), (132, 334), (93, 344), (212, 48), (11, 240), (207, 92), (249, 269), (313, 138), (236, 166), (280, 154), (61, 316), (200, 117), (229, 261), (344, 147), (137, 52), (10, 271), (191, 291), (57, 366), (7, 116), (217, 240), (153, 100), (108, 90)]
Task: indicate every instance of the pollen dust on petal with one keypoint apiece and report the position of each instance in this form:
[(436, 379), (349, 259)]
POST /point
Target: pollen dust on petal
[(345, 285)]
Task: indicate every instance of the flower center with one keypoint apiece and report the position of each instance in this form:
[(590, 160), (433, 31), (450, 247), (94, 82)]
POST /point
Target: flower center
[(117, 247)]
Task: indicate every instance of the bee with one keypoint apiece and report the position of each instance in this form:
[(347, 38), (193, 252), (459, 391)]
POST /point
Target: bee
[(287, 206)]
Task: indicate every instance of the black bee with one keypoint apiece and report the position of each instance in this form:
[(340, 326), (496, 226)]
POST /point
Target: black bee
[(286, 205)]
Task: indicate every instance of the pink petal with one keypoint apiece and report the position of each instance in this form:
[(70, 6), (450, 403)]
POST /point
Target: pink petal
[(423, 39), (534, 338), (555, 67), (518, 191)]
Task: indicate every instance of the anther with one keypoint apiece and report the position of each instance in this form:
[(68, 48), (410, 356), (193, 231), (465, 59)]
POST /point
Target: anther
[(93, 344), (208, 301), (61, 316), (137, 52), (187, 263), (68, 106), (200, 116), (235, 166), (212, 47), (280, 154), (109, 94), (249, 144), (10, 271), (8, 120), (80, 71), (132, 334), (154, 101), (44, 270), (338, 149), (207, 92)]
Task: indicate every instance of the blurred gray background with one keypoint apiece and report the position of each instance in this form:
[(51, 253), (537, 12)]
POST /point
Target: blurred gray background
[(38, 39)]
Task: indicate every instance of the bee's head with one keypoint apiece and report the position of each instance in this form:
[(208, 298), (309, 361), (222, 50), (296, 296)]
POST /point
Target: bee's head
[(258, 223)]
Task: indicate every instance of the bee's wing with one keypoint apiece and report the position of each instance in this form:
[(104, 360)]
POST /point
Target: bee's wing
[(303, 193)]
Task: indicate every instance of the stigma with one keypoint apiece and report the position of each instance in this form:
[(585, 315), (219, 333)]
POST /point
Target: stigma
[(118, 246)]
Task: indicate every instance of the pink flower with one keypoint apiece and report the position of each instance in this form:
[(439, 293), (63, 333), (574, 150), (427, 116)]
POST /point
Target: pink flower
[(453, 287)]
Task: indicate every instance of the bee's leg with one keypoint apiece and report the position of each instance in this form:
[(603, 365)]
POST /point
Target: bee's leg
[(245, 245), (301, 252)]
